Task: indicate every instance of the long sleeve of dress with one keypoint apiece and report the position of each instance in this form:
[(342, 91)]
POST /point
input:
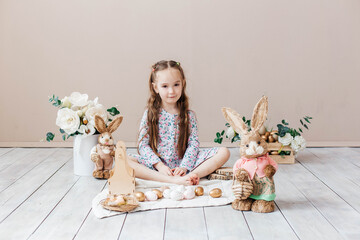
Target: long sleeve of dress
[(144, 147), (192, 150)]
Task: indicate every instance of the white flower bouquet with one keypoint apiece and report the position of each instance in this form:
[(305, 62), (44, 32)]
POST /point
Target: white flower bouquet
[(77, 113), (285, 135)]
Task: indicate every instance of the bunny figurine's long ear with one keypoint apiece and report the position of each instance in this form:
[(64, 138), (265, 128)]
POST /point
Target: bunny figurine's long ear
[(235, 120), (115, 123), (100, 124), (260, 114)]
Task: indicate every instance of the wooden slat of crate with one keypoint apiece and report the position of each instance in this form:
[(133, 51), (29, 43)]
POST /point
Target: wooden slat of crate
[(288, 159)]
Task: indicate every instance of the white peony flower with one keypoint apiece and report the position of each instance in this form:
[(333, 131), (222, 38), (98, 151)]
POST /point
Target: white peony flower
[(78, 100), (285, 140), (97, 110), (230, 133), (295, 146), (68, 120), (299, 142), (93, 103), (87, 129), (65, 102)]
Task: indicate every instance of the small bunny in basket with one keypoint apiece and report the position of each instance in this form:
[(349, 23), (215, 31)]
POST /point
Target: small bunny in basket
[(253, 184), (103, 153)]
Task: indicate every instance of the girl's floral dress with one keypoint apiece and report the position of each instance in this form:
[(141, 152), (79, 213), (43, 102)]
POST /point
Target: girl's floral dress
[(167, 145)]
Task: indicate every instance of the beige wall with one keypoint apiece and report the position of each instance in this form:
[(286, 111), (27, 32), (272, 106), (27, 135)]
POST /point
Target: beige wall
[(304, 55)]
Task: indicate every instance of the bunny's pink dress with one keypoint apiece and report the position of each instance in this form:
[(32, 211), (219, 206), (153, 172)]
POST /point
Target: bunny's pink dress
[(167, 143)]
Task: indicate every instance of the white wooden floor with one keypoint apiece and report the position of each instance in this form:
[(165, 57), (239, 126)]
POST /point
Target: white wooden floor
[(40, 198)]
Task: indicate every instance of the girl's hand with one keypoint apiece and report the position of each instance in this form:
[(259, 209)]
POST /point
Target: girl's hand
[(179, 171), (163, 169)]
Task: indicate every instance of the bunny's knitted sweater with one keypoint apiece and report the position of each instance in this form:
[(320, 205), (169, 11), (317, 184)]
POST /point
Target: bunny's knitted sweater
[(255, 165)]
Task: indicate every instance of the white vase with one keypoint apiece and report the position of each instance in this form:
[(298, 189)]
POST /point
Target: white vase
[(83, 166)]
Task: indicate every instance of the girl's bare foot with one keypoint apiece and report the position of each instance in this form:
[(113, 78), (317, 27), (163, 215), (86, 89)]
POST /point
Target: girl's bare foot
[(189, 179)]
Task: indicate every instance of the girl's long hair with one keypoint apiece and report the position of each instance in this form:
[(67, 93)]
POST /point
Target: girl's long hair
[(154, 108)]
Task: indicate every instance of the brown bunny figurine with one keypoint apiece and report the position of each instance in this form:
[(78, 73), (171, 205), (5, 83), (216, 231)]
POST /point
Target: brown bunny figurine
[(103, 153), (253, 184)]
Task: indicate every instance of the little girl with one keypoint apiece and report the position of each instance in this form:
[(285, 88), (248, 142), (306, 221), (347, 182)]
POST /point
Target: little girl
[(168, 141)]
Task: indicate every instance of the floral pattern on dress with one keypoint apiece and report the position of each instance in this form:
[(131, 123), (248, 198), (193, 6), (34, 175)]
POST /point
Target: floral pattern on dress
[(167, 144)]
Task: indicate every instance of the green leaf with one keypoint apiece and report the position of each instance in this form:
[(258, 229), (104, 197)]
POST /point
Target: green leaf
[(282, 130), (227, 124), (302, 123), (222, 133), (113, 111), (300, 130), (244, 119), (307, 120), (218, 135), (50, 136), (284, 122), (64, 137), (306, 126), (61, 131), (221, 139), (309, 117)]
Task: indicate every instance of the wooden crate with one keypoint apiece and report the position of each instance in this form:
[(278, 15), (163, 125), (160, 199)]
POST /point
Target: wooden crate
[(288, 159)]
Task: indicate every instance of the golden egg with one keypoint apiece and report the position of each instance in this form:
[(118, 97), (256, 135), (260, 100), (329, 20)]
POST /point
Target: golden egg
[(274, 153), (267, 134), (215, 193), (264, 137), (199, 191), (140, 196), (271, 139), (158, 193)]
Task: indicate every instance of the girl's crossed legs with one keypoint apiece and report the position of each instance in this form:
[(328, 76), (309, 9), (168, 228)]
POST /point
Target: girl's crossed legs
[(204, 169)]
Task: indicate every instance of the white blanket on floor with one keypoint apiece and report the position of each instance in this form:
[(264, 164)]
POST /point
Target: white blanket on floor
[(143, 186)]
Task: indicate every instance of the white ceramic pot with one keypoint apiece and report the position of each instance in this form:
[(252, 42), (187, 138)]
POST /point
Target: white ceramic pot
[(83, 166)]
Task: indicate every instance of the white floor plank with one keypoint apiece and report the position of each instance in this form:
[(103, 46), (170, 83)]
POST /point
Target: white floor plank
[(226, 223), (351, 155), (269, 226), (304, 218), (105, 228), (335, 173), (14, 195), (12, 157), (15, 171), (339, 213), (29, 215), (144, 225), (65, 220), (185, 223), (3, 151)]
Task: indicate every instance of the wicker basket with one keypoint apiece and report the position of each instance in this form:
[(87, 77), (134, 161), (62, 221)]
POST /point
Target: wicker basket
[(130, 203), (242, 189)]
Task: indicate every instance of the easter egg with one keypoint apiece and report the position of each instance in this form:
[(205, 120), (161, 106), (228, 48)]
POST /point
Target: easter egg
[(158, 193), (151, 196), (199, 191), (262, 130), (166, 193), (176, 195), (189, 194), (215, 193), (140, 196)]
